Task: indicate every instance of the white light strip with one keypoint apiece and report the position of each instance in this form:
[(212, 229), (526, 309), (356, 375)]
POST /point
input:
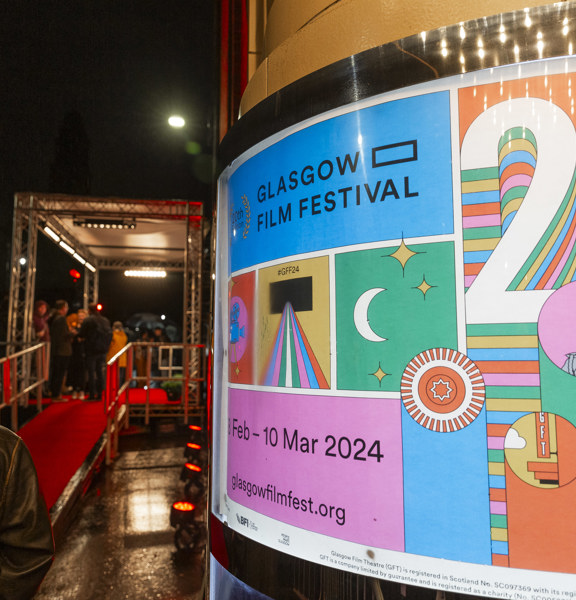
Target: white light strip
[(51, 233), (89, 266), (66, 247), (79, 258), (145, 273)]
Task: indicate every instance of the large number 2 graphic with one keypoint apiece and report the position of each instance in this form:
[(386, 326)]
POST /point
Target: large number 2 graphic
[(489, 298)]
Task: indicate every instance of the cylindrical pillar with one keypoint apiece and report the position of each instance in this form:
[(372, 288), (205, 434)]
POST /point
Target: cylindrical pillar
[(394, 346)]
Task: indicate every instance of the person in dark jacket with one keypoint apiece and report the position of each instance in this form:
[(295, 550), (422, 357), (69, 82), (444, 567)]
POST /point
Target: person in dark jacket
[(97, 335), (61, 339), (26, 542)]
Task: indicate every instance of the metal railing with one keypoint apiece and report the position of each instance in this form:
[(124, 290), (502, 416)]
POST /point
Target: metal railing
[(23, 373), (148, 365)]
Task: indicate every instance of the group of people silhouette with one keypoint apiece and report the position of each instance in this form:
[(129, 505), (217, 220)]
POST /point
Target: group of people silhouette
[(80, 345)]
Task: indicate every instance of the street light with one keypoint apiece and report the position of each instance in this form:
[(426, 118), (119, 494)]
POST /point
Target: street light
[(176, 121)]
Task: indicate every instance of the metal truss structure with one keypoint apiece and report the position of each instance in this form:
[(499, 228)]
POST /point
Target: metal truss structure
[(33, 213)]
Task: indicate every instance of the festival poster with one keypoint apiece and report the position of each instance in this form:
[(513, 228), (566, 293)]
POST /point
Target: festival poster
[(437, 321)]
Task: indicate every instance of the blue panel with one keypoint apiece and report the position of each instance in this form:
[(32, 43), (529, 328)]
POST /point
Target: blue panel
[(380, 173), (497, 482), (503, 353), (504, 417), (447, 511), (481, 197), (477, 256), (500, 547)]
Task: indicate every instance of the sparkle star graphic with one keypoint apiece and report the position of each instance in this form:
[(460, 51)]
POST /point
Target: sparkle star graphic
[(379, 374), (441, 390), (403, 254), (424, 287)]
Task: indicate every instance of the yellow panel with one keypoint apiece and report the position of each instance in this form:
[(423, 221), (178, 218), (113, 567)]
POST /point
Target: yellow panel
[(498, 534), (496, 468), (486, 244), (504, 341), (484, 185), (514, 404)]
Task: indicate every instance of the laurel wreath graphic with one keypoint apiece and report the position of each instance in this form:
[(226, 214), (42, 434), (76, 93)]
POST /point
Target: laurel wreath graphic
[(247, 220)]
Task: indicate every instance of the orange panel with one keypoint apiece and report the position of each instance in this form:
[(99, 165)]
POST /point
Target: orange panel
[(566, 451), (540, 531), (497, 429), (473, 210), (500, 560), (542, 467), (508, 366), (497, 495)]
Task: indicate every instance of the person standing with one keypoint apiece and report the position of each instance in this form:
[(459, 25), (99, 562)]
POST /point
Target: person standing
[(41, 327), (119, 340), (40, 321), (61, 338), (97, 335), (26, 542), (77, 368)]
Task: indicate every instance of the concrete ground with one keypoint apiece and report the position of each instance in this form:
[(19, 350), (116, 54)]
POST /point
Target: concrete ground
[(121, 546)]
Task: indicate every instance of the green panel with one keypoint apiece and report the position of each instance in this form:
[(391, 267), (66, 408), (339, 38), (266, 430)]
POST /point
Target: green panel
[(409, 315), (513, 392), (480, 174), (500, 521), (483, 233), (496, 456), (503, 329)]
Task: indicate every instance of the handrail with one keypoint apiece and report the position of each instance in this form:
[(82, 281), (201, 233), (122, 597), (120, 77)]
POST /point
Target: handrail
[(18, 380), (117, 402)]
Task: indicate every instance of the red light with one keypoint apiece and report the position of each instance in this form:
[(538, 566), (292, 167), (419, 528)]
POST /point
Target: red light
[(194, 446), (195, 427), (74, 274), (183, 506), (99, 307), (192, 467)]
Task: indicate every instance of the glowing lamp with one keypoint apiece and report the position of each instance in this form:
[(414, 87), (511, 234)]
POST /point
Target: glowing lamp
[(181, 513), (192, 449), (190, 471), (195, 432)]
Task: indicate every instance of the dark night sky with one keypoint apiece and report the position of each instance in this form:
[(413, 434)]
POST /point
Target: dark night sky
[(124, 66)]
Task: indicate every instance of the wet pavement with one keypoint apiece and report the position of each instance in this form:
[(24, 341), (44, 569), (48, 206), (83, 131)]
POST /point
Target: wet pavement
[(121, 545)]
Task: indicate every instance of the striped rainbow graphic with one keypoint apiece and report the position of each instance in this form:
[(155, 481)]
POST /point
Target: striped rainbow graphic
[(491, 198), (293, 363), (508, 356)]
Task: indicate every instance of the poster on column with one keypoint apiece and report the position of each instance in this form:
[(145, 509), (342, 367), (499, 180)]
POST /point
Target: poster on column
[(400, 372)]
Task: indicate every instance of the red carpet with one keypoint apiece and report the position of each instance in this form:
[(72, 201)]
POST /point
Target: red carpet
[(157, 396), (60, 439)]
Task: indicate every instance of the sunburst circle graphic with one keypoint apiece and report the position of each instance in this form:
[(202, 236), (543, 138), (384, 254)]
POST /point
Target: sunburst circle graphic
[(442, 390)]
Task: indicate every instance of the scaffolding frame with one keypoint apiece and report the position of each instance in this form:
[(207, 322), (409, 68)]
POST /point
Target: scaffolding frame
[(34, 211)]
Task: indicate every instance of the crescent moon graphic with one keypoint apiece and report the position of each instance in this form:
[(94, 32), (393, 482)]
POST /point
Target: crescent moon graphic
[(361, 315)]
